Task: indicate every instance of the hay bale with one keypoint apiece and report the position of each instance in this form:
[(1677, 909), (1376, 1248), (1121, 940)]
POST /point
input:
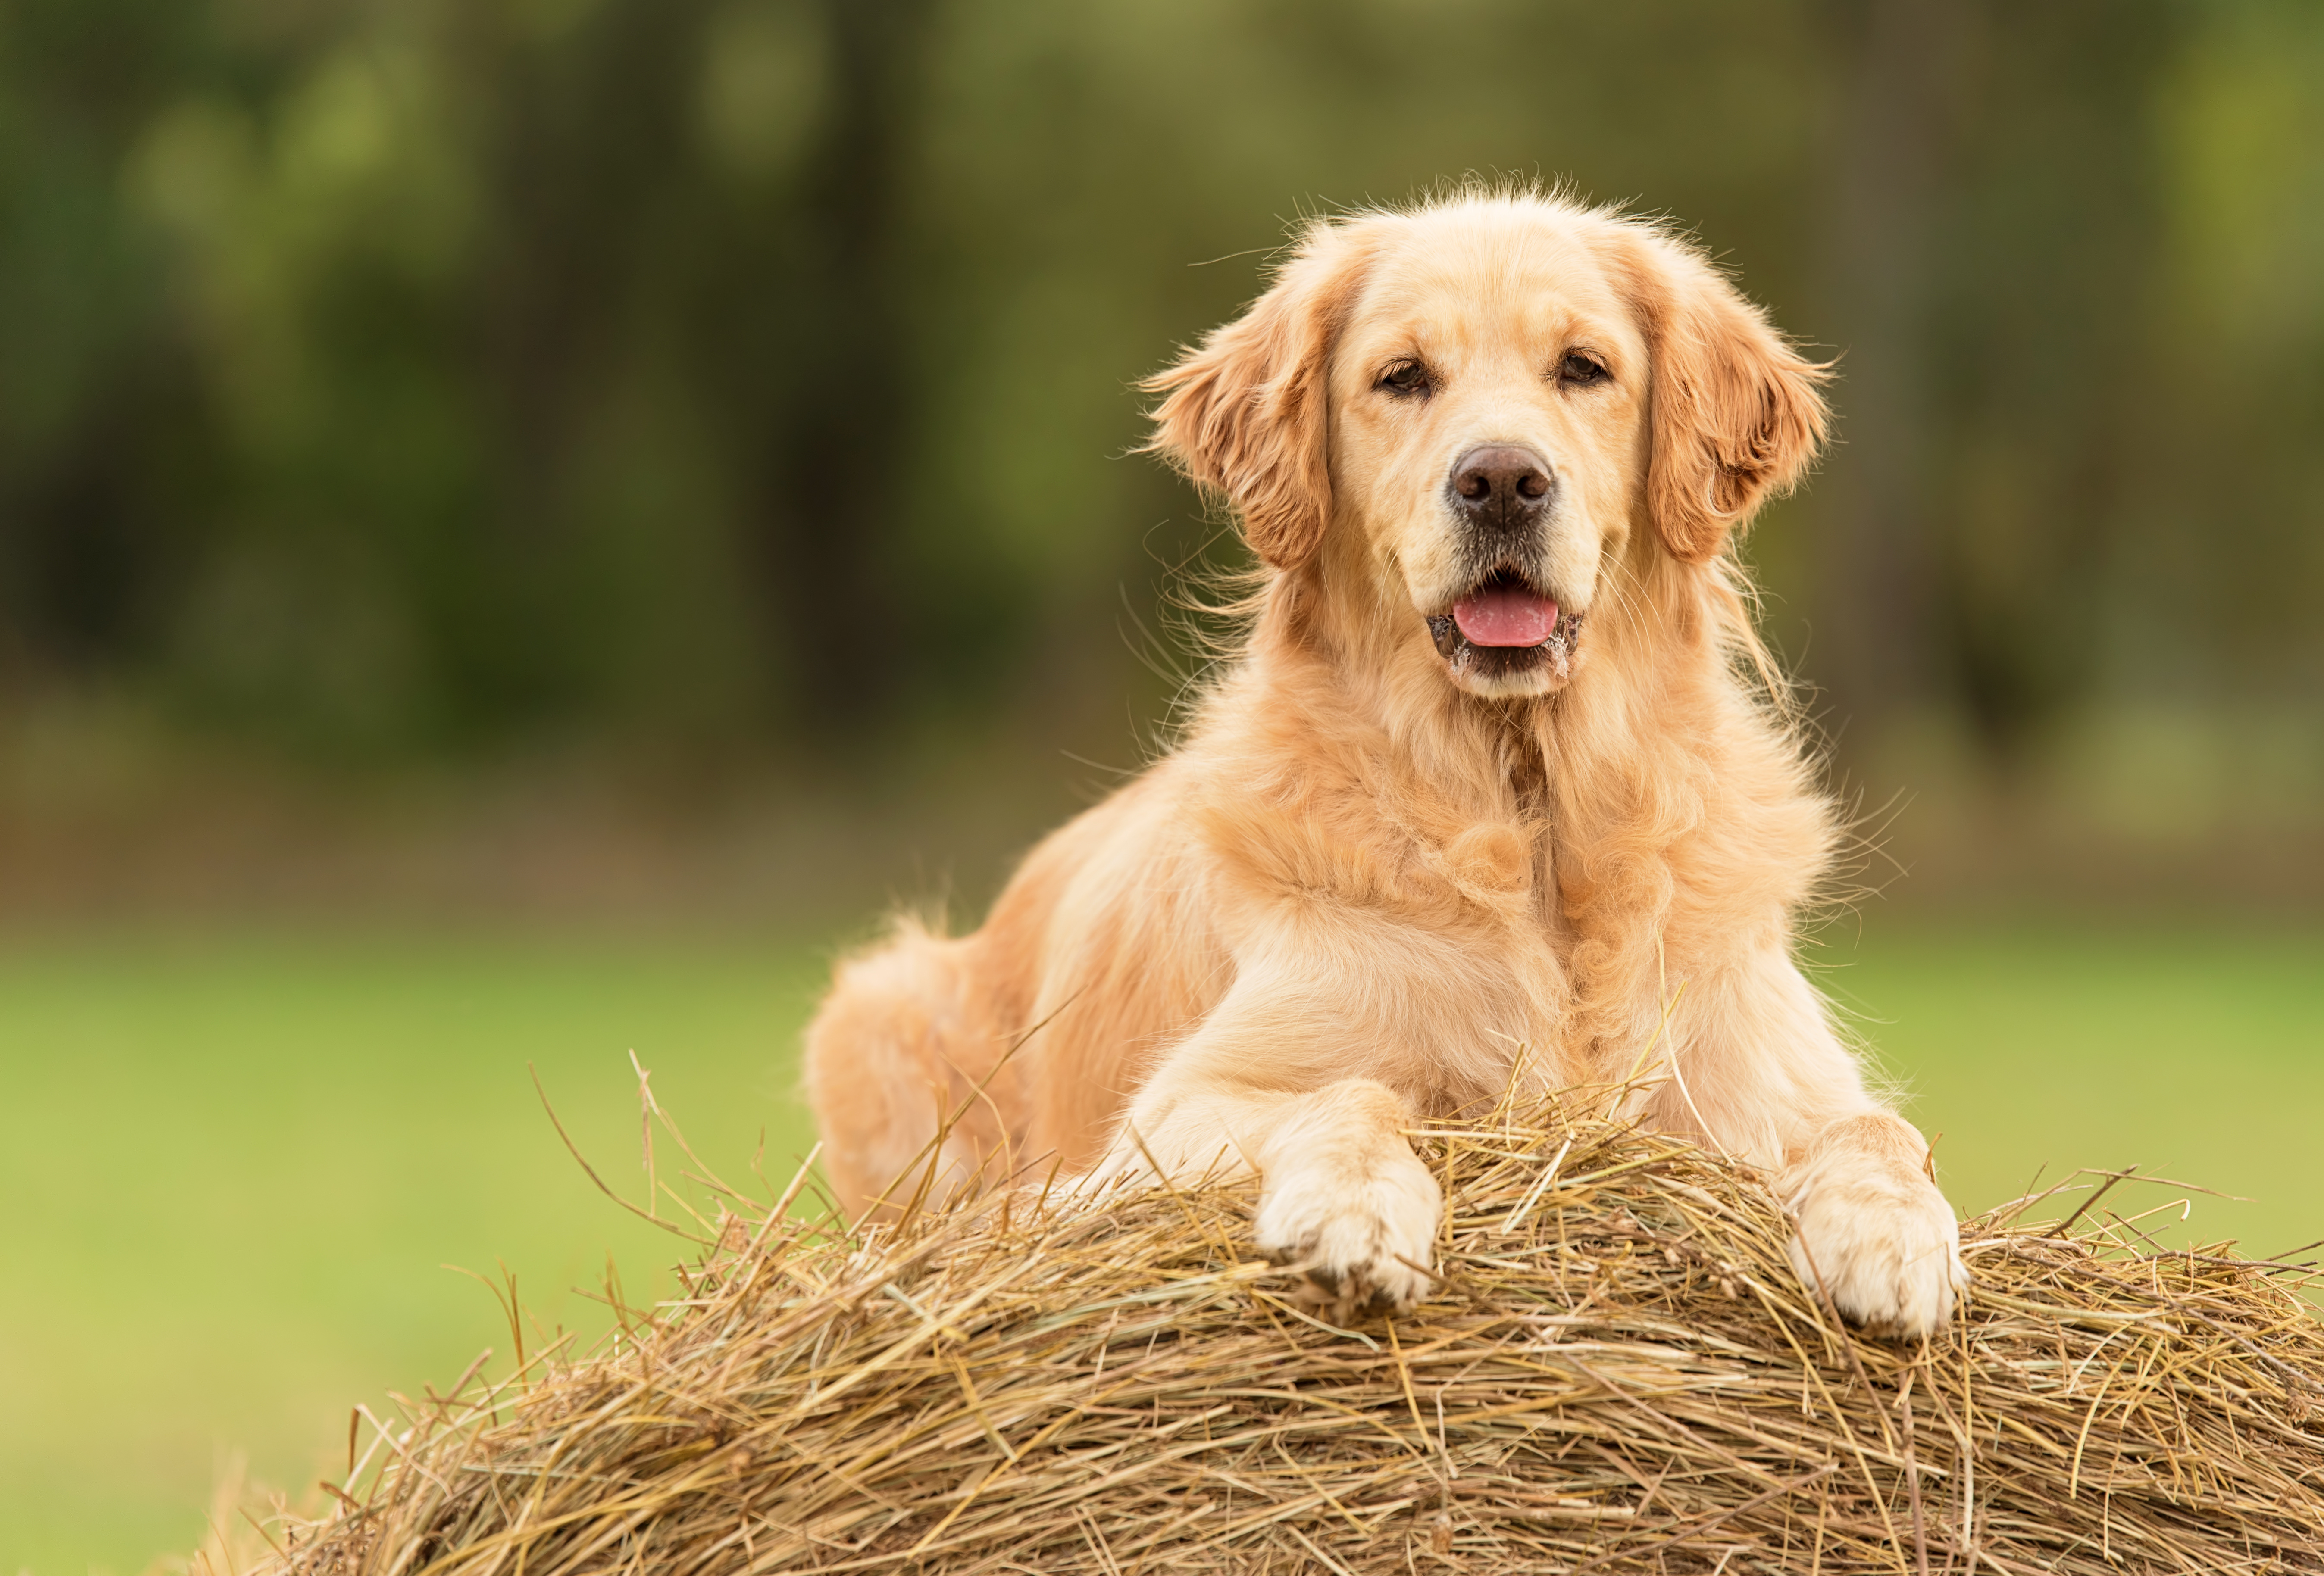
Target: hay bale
[(1619, 1374)]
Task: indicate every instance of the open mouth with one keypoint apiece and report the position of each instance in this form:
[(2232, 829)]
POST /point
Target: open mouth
[(1504, 628)]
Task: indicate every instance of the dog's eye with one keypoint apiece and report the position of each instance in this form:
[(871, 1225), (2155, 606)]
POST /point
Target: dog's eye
[(1582, 367), (1405, 378)]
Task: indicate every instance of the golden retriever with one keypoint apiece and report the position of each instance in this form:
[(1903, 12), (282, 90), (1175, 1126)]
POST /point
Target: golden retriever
[(1493, 789)]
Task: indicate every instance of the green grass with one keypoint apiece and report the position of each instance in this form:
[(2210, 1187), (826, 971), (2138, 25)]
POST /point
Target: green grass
[(2193, 1054), (233, 1167)]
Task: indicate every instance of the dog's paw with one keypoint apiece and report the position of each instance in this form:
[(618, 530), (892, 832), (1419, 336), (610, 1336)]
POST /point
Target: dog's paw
[(1881, 1239), (1359, 1234)]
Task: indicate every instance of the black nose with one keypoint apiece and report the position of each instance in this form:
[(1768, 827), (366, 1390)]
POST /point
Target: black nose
[(1501, 484)]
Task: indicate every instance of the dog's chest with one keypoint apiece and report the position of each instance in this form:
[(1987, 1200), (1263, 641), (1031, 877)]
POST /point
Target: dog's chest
[(1506, 874)]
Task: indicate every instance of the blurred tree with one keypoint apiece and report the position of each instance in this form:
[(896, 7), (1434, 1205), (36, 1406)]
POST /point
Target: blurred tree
[(2216, 580), (1991, 268), (2046, 341), (801, 337), (583, 135), (852, 445), (1892, 160), (100, 427)]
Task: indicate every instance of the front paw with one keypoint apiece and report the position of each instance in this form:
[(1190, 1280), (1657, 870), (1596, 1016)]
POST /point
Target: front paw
[(1358, 1231), (1882, 1241)]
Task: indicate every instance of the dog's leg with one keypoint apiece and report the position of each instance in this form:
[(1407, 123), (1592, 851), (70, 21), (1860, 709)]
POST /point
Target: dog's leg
[(1761, 1072), (1872, 1226), (1342, 1196), (896, 1051), (1347, 1200), (1337, 1032)]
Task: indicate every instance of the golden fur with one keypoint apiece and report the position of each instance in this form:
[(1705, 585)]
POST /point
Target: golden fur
[(1371, 881)]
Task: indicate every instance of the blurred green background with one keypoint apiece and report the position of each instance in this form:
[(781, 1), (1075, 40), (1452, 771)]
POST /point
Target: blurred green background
[(524, 524)]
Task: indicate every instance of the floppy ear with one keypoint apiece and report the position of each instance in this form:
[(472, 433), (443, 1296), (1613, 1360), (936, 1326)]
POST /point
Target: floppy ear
[(1738, 414), (1245, 412)]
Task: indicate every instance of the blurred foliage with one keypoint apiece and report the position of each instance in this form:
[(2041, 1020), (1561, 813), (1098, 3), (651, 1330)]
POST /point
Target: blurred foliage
[(391, 379)]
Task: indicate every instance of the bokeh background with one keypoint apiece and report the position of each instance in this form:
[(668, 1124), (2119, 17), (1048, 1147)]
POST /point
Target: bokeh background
[(525, 524)]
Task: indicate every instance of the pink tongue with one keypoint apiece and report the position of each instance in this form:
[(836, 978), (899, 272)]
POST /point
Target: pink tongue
[(1506, 615)]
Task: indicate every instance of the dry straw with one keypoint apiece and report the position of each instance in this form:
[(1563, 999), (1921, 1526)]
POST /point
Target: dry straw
[(1618, 1372)]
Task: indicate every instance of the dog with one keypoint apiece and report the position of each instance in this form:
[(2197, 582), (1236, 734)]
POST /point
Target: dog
[(1500, 785)]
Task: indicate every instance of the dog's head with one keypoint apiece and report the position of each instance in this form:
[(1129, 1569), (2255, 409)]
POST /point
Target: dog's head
[(1468, 408)]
